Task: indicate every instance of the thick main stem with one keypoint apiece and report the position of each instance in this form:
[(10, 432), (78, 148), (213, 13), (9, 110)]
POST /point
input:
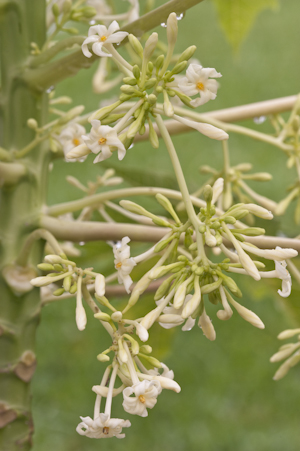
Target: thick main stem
[(21, 22)]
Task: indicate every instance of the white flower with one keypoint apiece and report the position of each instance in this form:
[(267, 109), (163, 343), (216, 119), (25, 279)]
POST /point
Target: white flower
[(99, 35), (123, 262), (71, 137), (101, 139), (102, 427), (284, 275), (198, 81), (145, 393), (174, 318)]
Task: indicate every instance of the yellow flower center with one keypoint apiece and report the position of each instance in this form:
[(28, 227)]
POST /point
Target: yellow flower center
[(200, 86), (106, 430), (103, 38), (101, 141), (142, 399), (76, 142), (118, 265)]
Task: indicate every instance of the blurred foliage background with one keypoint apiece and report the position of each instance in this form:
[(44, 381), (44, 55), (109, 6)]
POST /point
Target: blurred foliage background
[(228, 400)]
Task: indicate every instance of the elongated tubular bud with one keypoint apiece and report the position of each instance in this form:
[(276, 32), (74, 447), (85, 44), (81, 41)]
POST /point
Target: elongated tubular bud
[(225, 314), (150, 46), (78, 152), (136, 45), (102, 316), (166, 204), (170, 319), (206, 129), (163, 288), (162, 270), (194, 302), (289, 333), (181, 293), (245, 313), (284, 353), (207, 326), (153, 135), (187, 54), (100, 285)]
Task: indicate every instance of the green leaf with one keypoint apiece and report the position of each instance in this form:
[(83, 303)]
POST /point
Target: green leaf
[(238, 16)]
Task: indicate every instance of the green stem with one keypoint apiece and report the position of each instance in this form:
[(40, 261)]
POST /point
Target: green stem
[(75, 205), (48, 54), (23, 258), (20, 24), (182, 185)]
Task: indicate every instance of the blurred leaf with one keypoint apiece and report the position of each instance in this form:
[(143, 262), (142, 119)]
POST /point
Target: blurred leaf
[(238, 16)]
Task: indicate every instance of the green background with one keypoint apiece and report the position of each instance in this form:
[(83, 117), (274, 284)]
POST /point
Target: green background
[(228, 400)]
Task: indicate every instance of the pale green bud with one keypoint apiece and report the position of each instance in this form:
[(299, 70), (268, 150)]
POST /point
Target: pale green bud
[(178, 68), (67, 283), (55, 10), (128, 89), (58, 292), (152, 99), (150, 83), (183, 97), (89, 11), (153, 138), (210, 287), (102, 316), (168, 107), (103, 358), (259, 177), (71, 30), (150, 67), (159, 89), (116, 316), (136, 45), (163, 288), (45, 267), (289, 333), (100, 114), (150, 46), (231, 219), (251, 231), (166, 204), (32, 123), (73, 288), (187, 54), (152, 360), (136, 71), (163, 244), (162, 270), (208, 193), (146, 349), (159, 61), (172, 29), (130, 81)]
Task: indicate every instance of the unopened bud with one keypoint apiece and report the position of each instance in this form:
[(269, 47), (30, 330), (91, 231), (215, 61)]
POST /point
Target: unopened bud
[(136, 45), (172, 29), (150, 46), (187, 54), (102, 316), (103, 358), (32, 123)]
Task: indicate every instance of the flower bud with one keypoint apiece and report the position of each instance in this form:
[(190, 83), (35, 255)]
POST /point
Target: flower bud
[(168, 107), (150, 46), (163, 288), (283, 354), (146, 349), (67, 283), (58, 292), (45, 267), (78, 152), (162, 270), (116, 316), (102, 316), (70, 115), (259, 211), (207, 326), (172, 29), (152, 133), (141, 332), (206, 129), (32, 123), (100, 285), (289, 333), (187, 54), (103, 358), (170, 319), (136, 71), (136, 45), (100, 114)]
